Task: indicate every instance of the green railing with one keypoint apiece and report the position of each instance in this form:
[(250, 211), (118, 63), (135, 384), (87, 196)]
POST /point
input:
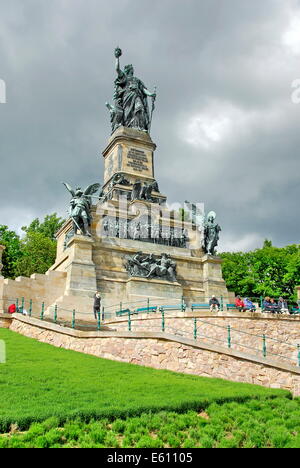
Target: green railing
[(143, 306), (165, 321)]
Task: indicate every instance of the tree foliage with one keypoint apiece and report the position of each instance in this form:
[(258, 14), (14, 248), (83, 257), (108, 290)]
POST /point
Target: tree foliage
[(51, 224), (12, 252), (269, 271), (36, 252)]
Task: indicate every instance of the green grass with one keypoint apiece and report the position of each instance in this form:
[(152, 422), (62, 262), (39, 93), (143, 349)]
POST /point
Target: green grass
[(252, 424), (40, 381)]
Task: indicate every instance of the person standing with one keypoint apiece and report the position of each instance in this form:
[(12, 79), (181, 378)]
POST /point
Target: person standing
[(97, 304)]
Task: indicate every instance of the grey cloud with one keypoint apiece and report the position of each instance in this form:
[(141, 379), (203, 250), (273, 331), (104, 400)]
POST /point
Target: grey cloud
[(57, 60)]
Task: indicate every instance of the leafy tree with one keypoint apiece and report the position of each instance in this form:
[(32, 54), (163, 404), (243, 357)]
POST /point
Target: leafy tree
[(51, 224), (267, 243), (269, 271), (237, 272), (38, 254), (33, 254), (292, 276), (12, 253)]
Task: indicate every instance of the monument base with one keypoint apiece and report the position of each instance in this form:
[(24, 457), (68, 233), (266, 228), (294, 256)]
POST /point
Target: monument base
[(81, 284), (156, 290)]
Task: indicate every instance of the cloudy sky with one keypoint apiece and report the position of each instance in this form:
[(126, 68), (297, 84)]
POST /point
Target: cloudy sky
[(226, 126)]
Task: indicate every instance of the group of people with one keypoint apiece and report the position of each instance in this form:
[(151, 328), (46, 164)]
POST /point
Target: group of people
[(241, 305), (270, 305), (244, 305)]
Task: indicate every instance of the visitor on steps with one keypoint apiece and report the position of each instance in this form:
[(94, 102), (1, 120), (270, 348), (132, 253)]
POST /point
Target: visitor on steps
[(214, 304), (97, 304)]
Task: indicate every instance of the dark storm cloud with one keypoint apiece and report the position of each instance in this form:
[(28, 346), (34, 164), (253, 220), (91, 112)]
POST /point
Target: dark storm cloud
[(226, 129)]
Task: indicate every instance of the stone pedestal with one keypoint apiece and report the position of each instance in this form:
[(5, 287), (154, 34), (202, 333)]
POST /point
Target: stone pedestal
[(213, 282), (131, 152), (141, 289), (2, 248), (81, 270), (81, 283)]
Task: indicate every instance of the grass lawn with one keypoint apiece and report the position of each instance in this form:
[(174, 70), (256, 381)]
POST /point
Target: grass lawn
[(252, 424), (39, 381)]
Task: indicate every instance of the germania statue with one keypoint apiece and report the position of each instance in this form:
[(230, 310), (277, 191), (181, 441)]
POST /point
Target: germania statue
[(130, 107), (211, 234), (80, 207)]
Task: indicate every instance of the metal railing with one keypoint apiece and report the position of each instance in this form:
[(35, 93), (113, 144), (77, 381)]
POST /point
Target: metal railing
[(164, 321)]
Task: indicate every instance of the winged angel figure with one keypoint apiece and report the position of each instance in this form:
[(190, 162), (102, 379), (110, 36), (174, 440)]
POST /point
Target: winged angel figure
[(80, 207)]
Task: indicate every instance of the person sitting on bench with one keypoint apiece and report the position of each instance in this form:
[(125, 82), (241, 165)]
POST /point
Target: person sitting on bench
[(274, 306), (269, 305), (282, 306), (214, 304), (249, 305), (239, 304)]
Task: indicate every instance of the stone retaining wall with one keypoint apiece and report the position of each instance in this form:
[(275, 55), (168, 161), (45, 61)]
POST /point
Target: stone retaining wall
[(164, 351), (246, 333), (5, 320)]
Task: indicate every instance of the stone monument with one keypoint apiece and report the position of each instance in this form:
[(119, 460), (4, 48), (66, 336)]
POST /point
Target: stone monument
[(126, 242)]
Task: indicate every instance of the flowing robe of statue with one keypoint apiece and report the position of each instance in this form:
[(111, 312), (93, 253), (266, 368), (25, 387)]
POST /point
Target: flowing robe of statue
[(130, 107), (135, 102)]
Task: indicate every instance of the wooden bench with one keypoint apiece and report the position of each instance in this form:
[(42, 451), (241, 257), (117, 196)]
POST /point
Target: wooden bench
[(181, 307), (200, 306), (294, 311)]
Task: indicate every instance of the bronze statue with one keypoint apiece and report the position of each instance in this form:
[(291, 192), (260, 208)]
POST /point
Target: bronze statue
[(143, 191), (151, 266), (130, 107), (211, 234), (80, 208)]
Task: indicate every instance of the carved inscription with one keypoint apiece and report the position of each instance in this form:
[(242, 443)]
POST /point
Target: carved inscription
[(137, 160)]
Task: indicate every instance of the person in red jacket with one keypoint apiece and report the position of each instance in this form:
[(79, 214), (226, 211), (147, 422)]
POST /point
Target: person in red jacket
[(12, 309), (239, 304)]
